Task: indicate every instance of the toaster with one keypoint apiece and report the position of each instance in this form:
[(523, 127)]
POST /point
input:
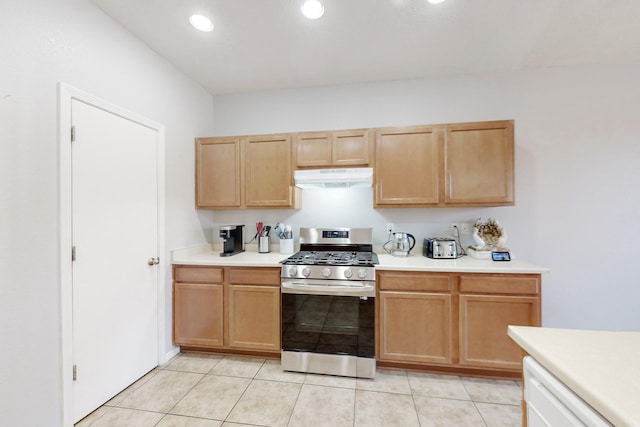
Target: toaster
[(440, 248)]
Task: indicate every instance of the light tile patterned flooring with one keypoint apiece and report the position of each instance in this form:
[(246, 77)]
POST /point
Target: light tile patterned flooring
[(193, 390)]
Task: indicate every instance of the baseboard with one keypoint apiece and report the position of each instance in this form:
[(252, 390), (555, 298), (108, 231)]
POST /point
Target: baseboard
[(168, 355)]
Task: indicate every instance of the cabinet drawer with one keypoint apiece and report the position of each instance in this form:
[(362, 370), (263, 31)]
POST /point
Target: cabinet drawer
[(198, 274), (414, 282), (255, 276), (501, 284)]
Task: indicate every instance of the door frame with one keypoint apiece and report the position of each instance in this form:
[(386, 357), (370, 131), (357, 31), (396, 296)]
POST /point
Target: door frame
[(66, 94)]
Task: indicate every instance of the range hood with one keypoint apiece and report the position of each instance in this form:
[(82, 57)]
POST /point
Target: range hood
[(333, 178)]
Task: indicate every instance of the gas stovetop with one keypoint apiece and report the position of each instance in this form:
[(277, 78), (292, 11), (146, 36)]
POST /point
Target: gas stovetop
[(358, 259), (333, 254)]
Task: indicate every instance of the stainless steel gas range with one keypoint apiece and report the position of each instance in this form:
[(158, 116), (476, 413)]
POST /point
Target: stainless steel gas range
[(328, 294)]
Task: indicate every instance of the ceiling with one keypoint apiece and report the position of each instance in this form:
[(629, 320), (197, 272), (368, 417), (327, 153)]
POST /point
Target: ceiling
[(267, 44)]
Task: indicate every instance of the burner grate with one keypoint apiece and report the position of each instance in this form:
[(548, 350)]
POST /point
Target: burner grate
[(332, 258)]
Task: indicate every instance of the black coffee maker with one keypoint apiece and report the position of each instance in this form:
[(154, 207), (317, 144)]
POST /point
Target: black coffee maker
[(232, 239)]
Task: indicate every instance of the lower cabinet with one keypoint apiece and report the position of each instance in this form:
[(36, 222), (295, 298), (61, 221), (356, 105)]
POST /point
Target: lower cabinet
[(198, 314), (415, 322), (254, 317), (454, 322), (488, 304), (227, 308), (445, 321)]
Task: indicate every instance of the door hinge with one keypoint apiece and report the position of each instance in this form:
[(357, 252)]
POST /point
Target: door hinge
[(73, 253), (73, 133), (75, 372)]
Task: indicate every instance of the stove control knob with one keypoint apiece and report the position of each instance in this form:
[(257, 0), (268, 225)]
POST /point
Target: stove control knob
[(348, 273), (306, 272), (326, 272), (293, 271), (362, 273)]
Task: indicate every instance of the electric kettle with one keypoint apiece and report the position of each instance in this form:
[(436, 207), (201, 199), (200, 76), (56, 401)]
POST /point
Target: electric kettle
[(400, 244)]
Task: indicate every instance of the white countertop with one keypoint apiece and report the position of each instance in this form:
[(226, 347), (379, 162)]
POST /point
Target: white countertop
[(601, 367), (206, 255), (465, 264)]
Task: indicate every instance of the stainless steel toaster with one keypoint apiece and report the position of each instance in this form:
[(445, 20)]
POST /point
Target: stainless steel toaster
[(440, 248)]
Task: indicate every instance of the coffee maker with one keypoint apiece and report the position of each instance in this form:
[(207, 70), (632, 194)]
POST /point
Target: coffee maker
[(232, 239)]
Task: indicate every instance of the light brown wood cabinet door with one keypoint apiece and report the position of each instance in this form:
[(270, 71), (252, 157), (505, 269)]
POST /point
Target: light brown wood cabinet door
[(407, 167), (479, 164), (483, 328), (313, 149), (254, 317), (348, 148), (268, 175), (415, 327), (198, 315), (218, 173), (351, 148)]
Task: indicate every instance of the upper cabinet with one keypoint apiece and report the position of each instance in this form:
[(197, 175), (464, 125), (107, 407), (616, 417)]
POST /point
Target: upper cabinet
[(349, 148), (268, 173), (313, 149), (245, 172), (447, 165), (479, 164), (218, 173), (464, 164), (407, 170)]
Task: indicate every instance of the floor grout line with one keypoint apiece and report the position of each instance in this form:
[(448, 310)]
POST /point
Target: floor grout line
[(479, 400), (295, 403), (243, 392)]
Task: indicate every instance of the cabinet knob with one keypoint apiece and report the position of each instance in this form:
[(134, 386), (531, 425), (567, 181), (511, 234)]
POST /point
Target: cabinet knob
[(154, 261)]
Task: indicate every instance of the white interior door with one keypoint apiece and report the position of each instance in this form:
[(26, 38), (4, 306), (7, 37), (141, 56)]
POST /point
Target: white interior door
[(115, 233)]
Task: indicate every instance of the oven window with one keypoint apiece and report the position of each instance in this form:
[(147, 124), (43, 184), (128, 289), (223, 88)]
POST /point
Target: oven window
[(328, 324)]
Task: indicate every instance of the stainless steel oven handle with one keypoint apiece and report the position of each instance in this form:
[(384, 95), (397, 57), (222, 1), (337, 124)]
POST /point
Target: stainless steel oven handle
[(304, 288)]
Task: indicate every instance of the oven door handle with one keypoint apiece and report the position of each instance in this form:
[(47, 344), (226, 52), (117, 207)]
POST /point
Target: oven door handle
[(304, 288)]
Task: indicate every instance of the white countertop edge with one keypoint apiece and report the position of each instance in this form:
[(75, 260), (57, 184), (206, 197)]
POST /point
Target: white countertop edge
[(190, 251), (606, 384), (268, 261)]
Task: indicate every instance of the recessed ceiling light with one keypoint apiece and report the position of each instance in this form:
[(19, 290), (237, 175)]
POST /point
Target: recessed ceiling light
[(312, 9), (201, 23), (436, 1)]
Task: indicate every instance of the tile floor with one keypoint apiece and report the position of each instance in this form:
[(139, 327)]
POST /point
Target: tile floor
[(193, 390)]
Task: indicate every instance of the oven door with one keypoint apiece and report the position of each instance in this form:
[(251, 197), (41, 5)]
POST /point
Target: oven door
[(329, 328)]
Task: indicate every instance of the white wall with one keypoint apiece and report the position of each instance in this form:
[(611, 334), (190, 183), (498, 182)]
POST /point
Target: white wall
[(44, 42), (577, 172)]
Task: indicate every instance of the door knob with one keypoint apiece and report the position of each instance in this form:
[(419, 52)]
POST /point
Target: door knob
[(154, 261)]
